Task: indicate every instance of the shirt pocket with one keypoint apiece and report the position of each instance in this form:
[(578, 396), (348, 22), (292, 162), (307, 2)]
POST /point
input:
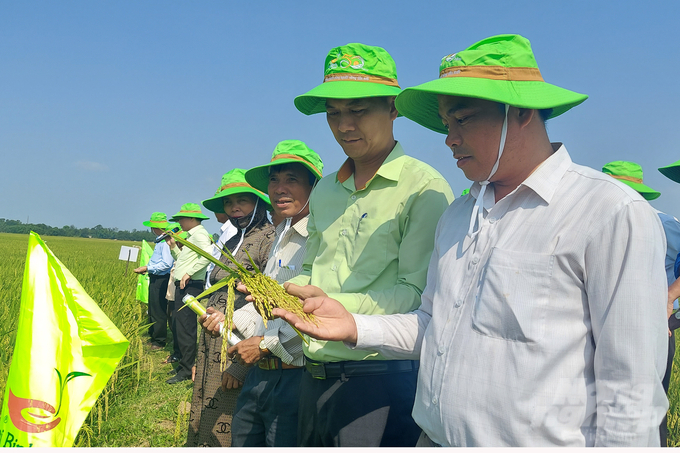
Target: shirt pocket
[(369, 250), (513, 296)]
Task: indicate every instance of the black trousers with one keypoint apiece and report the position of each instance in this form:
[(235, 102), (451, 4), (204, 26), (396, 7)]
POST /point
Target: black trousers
[(158, 305), (359, 411), (185, 324)]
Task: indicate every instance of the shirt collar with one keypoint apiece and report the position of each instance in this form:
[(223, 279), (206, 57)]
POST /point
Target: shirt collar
[(194, 230), (300, 227), (390, 168), (543, 181)]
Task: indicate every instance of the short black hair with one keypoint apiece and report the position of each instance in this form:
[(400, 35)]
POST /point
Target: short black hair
[(280, 167)]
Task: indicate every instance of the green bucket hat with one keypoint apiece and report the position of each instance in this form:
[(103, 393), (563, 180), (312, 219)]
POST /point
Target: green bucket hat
[(286, 152), (671, 171), (190, 210), (352, 71), (233, 181), (158, 220), (500, 68), (630, 174)]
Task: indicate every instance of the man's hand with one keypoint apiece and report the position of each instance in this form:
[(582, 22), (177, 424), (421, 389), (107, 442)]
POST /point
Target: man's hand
[(229, 381), (171, 242), (211, 321), (184, 281), (140, 270), (248, 351), (334, 322), (193, 373)]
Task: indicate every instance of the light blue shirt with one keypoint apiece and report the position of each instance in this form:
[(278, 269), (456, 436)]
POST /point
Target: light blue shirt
[(671, 226), (161, 260)]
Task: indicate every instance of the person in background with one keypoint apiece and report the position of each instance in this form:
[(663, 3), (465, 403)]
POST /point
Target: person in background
[(189, 278), (227, 231), (170, 297), (215, 392), (159, 267), (543, 319), (371, 233)]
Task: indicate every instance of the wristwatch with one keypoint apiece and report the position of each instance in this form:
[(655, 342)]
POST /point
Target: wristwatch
[(263, 347)]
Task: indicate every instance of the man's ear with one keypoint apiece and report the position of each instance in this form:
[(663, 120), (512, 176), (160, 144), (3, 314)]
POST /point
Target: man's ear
[(393, 110), (524, 116)]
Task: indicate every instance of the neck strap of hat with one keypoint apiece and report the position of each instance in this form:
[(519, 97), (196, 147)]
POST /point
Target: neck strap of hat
[(243, 231), (478, 209), (289, 222)]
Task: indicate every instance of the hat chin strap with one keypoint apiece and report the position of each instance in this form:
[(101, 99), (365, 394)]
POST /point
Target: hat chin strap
[(243, 231), (478, 209), (289, 221)]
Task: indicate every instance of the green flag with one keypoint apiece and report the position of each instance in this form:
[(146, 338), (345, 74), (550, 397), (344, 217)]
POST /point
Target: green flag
[(143, 279), (65, 352)]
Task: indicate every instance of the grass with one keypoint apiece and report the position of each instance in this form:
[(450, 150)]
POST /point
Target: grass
[(137, 408)]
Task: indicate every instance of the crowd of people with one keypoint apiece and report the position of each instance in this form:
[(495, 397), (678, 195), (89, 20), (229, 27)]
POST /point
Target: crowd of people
[(534, 310)]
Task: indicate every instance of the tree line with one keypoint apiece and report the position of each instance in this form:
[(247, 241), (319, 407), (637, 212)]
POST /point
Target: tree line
[(98, 232)]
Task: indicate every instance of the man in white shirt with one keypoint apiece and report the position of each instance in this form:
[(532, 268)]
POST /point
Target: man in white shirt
[(543, 322), (227, 230)]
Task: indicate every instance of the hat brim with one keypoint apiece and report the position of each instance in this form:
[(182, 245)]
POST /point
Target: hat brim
[(215, 204), (179, 215), (258, 177), (420, 103), (156, 224), (672, 171), (647, 192), (314, 101)]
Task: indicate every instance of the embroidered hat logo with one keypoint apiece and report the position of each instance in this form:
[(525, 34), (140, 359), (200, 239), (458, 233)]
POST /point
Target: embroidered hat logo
[(346, 60), (451, 57)]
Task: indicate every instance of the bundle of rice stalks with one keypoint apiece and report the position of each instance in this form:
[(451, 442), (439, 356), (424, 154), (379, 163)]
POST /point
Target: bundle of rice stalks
[(266, 292)]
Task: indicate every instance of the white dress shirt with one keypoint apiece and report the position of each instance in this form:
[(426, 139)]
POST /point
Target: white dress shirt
[(227, 230), (546, 329)]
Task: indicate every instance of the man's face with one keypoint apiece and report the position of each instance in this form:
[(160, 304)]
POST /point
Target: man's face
[(289, 190), (221, 217), (187, 223), (239, 204), (474, 133), (363, 127)]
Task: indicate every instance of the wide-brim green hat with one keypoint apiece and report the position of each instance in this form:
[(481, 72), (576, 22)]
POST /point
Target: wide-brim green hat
[(630, 174), (190, 210), (233, 182), (158, 220), (671, 171), (352, 71), (501, 69), (286, 152)]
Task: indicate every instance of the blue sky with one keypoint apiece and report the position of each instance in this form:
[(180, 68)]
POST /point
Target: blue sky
[(110, 110)]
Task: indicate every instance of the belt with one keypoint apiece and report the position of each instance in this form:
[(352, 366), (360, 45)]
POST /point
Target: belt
[(274, 363), (199, 283), (328, 370)]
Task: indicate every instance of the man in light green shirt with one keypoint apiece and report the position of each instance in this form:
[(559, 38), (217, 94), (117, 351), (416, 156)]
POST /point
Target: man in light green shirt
[(189, 276), (371, 235)]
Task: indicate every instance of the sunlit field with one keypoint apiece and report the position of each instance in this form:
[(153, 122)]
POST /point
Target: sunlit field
[(137, 408)]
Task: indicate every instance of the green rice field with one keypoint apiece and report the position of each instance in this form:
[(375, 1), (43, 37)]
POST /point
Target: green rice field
[(137, 408)]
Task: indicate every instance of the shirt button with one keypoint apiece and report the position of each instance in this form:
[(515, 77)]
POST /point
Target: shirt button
[(354, 197), (458, 303), (492, 220), (334, 267), (435, 401), (475, 259), (344, 232), (441, 349)]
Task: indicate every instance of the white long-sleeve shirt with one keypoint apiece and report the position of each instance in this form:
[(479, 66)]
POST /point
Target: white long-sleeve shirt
[(549, 327)]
